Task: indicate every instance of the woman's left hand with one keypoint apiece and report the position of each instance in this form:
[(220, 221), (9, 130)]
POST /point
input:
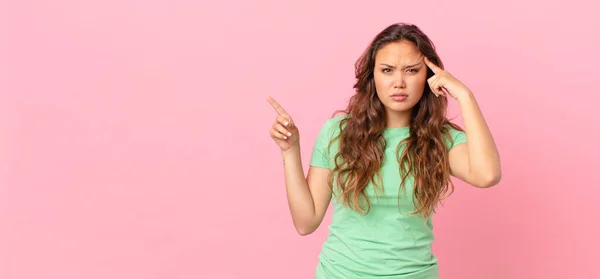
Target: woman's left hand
[(444, 80)]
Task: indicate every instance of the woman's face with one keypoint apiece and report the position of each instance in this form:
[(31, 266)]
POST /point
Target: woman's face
[(400, 76)]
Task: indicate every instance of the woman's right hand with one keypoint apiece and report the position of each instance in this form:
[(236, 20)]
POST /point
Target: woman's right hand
[(283, 131)]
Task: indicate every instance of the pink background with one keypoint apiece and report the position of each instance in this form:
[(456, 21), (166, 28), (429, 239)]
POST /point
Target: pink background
[(135, 134)]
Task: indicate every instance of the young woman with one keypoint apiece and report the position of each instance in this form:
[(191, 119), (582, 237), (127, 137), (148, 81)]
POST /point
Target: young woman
[(387, 161)]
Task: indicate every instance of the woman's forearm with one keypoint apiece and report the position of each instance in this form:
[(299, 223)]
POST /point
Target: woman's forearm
[(484, 160), (300, 200)]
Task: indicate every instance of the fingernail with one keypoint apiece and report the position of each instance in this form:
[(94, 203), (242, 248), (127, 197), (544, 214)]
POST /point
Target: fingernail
[(284, 137), (287, 123), (289, 134)]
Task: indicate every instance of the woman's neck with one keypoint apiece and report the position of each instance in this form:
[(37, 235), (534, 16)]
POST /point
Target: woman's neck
[(398, 119)]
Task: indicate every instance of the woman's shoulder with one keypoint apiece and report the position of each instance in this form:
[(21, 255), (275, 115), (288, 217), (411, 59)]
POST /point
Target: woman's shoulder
[(454, 134), (335, 120), (452, 128), (331, 127)]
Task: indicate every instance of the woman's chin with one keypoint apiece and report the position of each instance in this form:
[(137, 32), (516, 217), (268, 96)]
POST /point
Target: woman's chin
[(398, 108)]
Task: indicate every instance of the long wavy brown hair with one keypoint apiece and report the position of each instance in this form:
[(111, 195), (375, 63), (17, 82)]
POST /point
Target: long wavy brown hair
[(361, 141)]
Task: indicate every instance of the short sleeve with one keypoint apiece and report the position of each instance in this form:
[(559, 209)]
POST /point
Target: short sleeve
[(321, 155), (457, 136)]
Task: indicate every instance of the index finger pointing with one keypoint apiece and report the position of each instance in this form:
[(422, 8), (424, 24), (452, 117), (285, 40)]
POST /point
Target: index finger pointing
[(276, 106), (432, 66)]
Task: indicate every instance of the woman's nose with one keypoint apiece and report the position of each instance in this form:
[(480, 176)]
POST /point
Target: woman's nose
[(399, 82)]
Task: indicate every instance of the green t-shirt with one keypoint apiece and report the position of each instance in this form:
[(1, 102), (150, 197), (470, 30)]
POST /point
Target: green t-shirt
[(387, 242)]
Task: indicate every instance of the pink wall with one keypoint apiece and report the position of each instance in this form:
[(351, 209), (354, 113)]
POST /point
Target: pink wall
[(135, 134)]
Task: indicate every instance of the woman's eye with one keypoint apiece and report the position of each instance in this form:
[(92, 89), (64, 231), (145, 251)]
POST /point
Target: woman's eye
[(387, 70), (413, 70)]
